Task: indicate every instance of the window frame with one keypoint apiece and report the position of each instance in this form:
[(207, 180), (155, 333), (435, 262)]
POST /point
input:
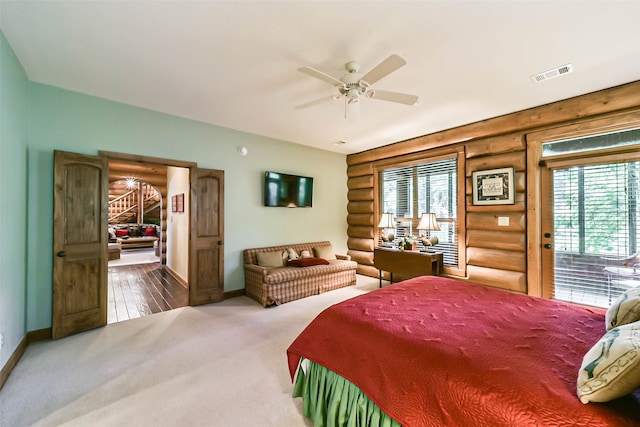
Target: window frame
[(417, 159)]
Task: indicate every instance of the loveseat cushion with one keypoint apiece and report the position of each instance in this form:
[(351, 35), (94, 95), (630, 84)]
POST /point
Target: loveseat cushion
[(325, 252), (250, 255), (270, 259), (284, 274)]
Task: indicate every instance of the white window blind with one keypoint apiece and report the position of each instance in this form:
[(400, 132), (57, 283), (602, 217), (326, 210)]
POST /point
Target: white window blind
[(431, 187), (591, 143), (596, 229)]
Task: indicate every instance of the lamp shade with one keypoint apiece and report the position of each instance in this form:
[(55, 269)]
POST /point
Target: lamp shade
[(428, 222), (387, 221)]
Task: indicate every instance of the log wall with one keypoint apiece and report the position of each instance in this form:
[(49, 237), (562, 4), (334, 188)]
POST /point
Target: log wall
[(495, 255), (361, 228)]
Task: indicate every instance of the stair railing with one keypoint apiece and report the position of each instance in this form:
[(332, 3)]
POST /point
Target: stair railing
[(127, 203)]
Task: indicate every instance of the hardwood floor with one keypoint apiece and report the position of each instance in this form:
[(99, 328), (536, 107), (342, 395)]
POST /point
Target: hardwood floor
[(142, 289)]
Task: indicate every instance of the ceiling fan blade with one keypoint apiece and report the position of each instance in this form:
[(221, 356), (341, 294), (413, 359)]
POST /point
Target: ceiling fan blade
[(317, 101), (383, 69), (322, 76), (401, 98)]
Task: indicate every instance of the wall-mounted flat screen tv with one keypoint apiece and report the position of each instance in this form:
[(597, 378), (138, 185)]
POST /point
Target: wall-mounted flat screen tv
[(291, 191)]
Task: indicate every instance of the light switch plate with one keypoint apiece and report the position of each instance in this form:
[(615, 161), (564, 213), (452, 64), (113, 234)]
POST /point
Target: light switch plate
[(503, 221)]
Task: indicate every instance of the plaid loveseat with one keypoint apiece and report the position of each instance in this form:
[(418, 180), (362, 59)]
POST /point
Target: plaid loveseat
[(278, 285)]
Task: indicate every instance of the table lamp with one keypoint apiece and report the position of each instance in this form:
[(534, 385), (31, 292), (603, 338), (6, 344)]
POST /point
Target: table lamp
[(387, 221), (428, 222)]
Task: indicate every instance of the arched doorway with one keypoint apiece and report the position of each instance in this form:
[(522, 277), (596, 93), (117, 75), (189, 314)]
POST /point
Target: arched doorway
[(134, 222)]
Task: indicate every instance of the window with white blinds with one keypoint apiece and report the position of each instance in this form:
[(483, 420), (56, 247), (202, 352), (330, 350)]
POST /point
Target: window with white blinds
[(409, 191), (596, 228)]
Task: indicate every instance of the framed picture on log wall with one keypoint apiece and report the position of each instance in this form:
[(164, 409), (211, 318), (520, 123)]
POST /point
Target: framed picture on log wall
[(494, 187)]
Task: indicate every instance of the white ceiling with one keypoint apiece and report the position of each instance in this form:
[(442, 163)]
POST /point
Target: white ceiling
[(234, 63)]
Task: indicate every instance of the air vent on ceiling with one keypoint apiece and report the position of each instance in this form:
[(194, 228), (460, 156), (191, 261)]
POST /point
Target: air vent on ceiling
[(550, 74)]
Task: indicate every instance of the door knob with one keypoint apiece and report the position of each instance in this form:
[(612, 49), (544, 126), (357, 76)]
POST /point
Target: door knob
[(220, 242), (62, 254)]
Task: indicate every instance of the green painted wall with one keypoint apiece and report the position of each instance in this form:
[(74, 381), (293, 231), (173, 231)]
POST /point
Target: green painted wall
[(13, 199), (68, 121)]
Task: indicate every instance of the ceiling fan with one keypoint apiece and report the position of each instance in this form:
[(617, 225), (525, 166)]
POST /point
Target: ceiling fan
[(354, 84)]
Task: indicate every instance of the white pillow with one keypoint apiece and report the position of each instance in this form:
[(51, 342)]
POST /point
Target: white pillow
[(305, 254), (611, 368), (292, 254), (624, 310)]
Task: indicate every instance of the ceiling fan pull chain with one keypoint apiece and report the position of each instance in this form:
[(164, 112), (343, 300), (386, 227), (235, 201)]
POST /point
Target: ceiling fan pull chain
[(346, 108)]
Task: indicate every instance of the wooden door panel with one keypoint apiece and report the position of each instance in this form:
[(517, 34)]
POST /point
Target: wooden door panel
[(81, 204), (79, 243), (81, 293), (207, 266), (208, 189), (206, 277)]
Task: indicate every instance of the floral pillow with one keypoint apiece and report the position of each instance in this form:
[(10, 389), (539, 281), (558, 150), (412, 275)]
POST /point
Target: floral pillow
[(611, 368), (624, 310)]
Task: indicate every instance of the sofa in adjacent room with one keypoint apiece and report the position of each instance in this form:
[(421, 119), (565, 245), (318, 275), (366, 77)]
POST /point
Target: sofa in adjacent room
[(130, 236), (279, 274)]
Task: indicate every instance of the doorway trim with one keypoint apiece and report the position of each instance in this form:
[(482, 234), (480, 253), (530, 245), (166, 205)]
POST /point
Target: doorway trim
[(149, 160), (538, 277), (145, 159)]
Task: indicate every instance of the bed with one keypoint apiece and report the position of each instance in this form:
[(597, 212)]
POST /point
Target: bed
[(434, 351)]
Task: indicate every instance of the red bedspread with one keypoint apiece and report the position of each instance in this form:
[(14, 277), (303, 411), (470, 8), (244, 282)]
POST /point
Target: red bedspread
[(433, 351)]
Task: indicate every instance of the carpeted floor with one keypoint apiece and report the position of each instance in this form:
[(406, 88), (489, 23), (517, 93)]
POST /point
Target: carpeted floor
[(220, 364)]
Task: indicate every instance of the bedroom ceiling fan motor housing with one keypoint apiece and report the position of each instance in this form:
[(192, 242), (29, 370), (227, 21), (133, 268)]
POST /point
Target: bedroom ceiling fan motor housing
[(352, 84)]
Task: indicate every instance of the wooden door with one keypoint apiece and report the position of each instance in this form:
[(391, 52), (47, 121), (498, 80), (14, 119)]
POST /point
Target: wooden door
[(79, 243), (206, 255)]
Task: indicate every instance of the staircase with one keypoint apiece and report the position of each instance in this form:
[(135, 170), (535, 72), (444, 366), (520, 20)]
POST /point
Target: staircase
[(138, 205)]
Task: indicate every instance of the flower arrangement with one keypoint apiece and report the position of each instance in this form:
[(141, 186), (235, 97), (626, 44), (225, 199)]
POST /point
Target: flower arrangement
[(407, 242)]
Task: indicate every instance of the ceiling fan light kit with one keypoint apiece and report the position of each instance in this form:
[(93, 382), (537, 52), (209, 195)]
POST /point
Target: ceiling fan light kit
[(354, 84)]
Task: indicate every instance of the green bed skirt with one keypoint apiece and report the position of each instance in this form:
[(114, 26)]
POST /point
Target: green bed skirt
[(332, 401)]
